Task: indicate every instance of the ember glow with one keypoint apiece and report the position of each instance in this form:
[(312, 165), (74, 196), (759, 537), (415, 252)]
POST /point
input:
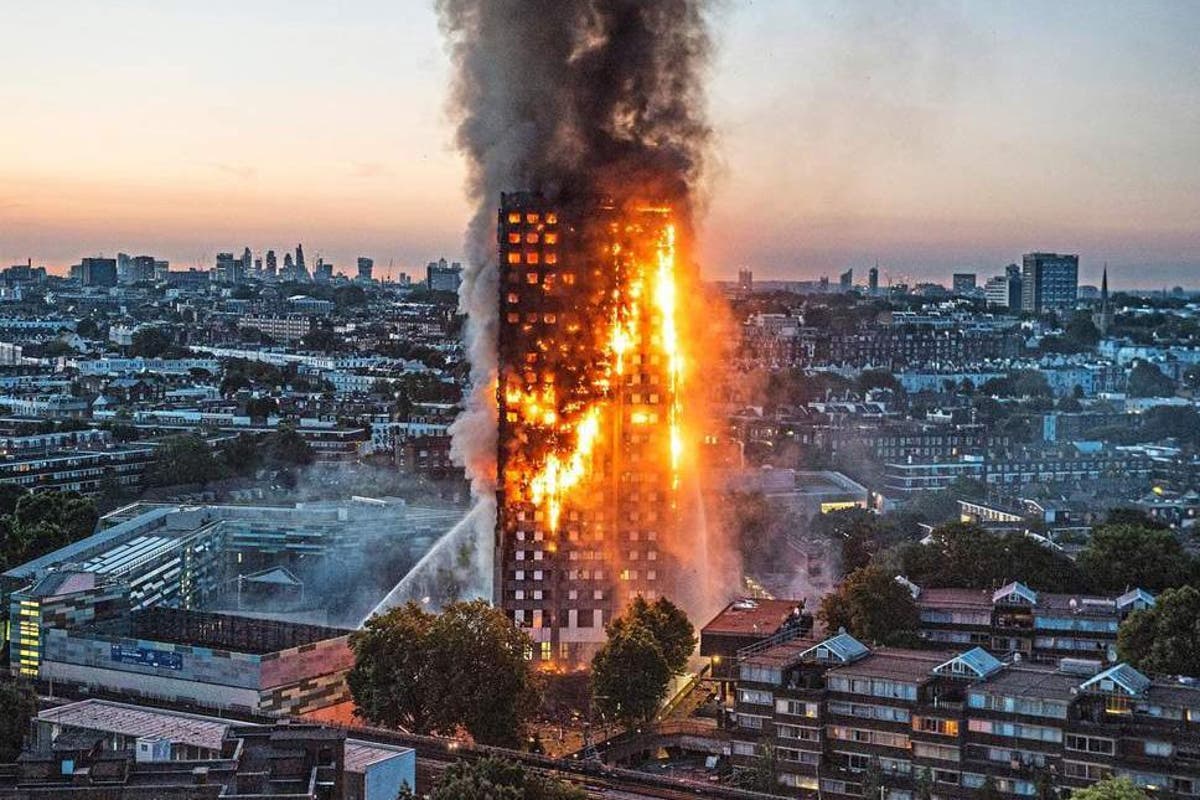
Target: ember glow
[(626, 382)]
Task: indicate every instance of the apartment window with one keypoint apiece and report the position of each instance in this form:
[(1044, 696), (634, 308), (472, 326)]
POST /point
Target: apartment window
[(800, 733), (940, 752), (755, 697), (1157, 748), (796, 708), (943, 727), (1089, 744)]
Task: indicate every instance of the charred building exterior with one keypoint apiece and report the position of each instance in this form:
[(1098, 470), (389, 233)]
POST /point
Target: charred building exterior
[(589, 440)]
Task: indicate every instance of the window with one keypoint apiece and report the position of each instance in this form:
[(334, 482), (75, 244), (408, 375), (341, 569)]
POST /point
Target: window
[(755, 697), (1090, 744), (940, 752), (800, 733), (943, 727), (796, 708), (514, 257), (1161, 749)]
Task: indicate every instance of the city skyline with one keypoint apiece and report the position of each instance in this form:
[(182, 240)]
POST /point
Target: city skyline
[(960, 138)]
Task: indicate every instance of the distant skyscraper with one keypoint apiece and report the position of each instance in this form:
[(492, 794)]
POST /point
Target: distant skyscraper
[(97, 272), (366, 268), (1049, 282), (873, 279), (443, 277), (323, 271), (141, 268), (272, 266), (846, 280), (124, 267), (228, 269), (745, 281), (300, 271), (247, 262), (289, 268), (963, 283)]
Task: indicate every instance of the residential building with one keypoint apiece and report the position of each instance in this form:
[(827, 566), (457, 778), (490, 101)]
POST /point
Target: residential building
[(834, 709)]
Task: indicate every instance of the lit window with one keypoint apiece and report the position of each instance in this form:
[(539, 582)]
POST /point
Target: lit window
[(531, 277), (514, 258), (531, 218), (531, 258), (552, 219), (512, 297), (569, 278), (514, 218), (551, 258), (531, 238), (551, 238), (514, 238)]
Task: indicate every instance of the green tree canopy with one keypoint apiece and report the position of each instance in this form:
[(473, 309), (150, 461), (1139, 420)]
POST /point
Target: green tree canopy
[(1147, 380), (496, 779), (668, 626), (964, 555), (186, 458), (630, 675), (872, 606), (1123, 556), (436, 673), (1110, 789), (1166, 637), (20, 704)]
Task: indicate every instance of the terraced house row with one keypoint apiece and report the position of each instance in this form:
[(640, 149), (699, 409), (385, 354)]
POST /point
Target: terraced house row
[(839, 716)]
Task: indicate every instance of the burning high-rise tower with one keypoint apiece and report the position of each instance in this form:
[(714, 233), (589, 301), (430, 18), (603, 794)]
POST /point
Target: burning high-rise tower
[(588, 391)]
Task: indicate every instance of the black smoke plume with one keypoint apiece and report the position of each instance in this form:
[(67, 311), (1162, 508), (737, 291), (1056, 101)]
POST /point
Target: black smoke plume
[(573, 99)]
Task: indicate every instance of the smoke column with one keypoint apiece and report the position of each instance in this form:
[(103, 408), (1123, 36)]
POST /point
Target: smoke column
[(572, 99)]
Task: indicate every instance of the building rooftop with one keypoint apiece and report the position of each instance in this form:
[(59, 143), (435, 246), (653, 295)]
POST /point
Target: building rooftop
[(110, 717), (899, 664), (218, 631), (188, 729), (752, 617)]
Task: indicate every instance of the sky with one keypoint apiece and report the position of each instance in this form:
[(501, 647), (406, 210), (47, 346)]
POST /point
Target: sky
[(929, 137)]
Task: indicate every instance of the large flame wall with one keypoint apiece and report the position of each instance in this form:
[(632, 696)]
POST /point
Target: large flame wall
[(591, 442)]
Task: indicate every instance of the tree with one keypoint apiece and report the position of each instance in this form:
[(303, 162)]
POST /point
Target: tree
[(463, 668), (630, 675), (1118, 557), (872, 781), (1147, 380), (964, 555), (287, 448), (872, 606), (391, 680), (923, 784), (858, 531), (480, 656), (1164, 638), (1110, 789), (186, 458), (497, 779), (667, 624), (20, 704), (763, 774), (150, 343)]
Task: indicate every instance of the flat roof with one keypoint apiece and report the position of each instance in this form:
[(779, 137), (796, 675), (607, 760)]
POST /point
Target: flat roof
[(1030, 681), (752, 617), (188, 729), (231, 632), (128, 720), (912, 666)]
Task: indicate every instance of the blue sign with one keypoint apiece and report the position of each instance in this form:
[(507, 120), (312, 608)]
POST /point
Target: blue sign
[(147, 657)]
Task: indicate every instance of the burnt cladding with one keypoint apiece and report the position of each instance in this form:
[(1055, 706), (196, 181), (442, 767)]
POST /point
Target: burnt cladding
[(564, 572)]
